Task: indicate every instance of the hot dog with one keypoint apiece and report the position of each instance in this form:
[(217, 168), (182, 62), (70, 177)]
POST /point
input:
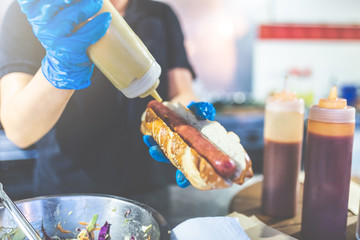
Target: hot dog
[(208, 155)]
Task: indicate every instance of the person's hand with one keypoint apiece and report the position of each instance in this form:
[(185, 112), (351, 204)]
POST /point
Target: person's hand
[(202, 110), (54, 23)]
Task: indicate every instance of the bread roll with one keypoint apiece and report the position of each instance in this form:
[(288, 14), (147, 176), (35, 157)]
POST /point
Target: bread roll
[(208, 155)]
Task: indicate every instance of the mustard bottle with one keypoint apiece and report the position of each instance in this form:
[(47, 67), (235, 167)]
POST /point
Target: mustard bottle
[(124, 59)]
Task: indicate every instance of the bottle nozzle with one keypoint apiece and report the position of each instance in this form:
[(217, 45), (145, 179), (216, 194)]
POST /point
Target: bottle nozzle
[(156, 96), (152, 91), (333, 93), (333, 101), (285, 94), (286, 84)]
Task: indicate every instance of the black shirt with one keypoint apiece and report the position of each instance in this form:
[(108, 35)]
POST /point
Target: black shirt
[(96, 146)]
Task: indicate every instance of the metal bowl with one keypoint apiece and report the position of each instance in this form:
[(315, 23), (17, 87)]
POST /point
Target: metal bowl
[(127, 217)]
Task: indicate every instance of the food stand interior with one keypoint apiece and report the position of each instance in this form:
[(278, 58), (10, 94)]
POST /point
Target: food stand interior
[(242, 50)]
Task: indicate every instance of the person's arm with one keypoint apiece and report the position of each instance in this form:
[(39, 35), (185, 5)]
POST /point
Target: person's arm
[(180, 86), (180, 73), (30, 106)]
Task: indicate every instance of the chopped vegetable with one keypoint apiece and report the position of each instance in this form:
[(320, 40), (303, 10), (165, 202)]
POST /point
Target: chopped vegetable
[(15, 234), (127, 220), (61, 229), (85, 234), (19, 235), (104, 231), (92, 223), (127, 213), (46, 237), (145, 229)]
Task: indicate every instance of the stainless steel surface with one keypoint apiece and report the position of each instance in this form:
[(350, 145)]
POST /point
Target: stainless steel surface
[(21, 221), (69, 210)]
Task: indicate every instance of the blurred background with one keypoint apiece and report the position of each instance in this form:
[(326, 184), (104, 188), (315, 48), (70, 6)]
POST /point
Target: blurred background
[(242, 50)]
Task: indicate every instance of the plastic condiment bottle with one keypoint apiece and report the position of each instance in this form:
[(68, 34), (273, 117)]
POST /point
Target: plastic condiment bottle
[(283, 137), (329, 145), (358, 227), (124, 59)]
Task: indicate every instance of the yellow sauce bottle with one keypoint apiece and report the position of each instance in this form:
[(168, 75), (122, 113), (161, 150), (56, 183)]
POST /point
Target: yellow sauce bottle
[(283, 136), (124, 59)]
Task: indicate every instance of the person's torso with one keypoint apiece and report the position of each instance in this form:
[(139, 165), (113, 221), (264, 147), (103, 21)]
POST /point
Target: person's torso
[(96, 146)]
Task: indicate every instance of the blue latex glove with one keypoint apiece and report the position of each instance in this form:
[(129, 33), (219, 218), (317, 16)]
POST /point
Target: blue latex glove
[(202, 110), (54, 23)]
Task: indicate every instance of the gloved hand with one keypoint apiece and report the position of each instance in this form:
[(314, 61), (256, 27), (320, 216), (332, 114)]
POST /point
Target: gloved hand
[(54, 23), (202, 110)]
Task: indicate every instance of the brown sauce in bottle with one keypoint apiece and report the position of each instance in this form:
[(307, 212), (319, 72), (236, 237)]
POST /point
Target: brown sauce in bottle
[(280, 185), (326, 187)]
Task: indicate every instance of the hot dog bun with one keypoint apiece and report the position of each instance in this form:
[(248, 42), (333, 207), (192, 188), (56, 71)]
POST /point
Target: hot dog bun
[(208, 155)]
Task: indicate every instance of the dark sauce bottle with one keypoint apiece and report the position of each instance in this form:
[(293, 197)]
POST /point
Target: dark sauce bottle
[(329, 145), (283, 136), (358, 227)]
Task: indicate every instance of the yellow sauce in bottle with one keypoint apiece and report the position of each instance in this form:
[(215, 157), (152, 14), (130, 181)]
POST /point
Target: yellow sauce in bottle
[(124, 59)]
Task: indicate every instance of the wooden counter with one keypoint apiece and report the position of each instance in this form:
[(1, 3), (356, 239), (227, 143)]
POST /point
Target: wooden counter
[(248, 202)]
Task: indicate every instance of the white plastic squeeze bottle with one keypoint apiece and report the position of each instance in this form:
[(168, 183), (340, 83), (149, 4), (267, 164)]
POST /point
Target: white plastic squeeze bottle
[(124, 59), (283, 137)]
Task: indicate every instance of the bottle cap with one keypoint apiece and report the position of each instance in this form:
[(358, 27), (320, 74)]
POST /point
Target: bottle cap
[(146, 84), (333, 101), (332, 110), (285, 101)]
